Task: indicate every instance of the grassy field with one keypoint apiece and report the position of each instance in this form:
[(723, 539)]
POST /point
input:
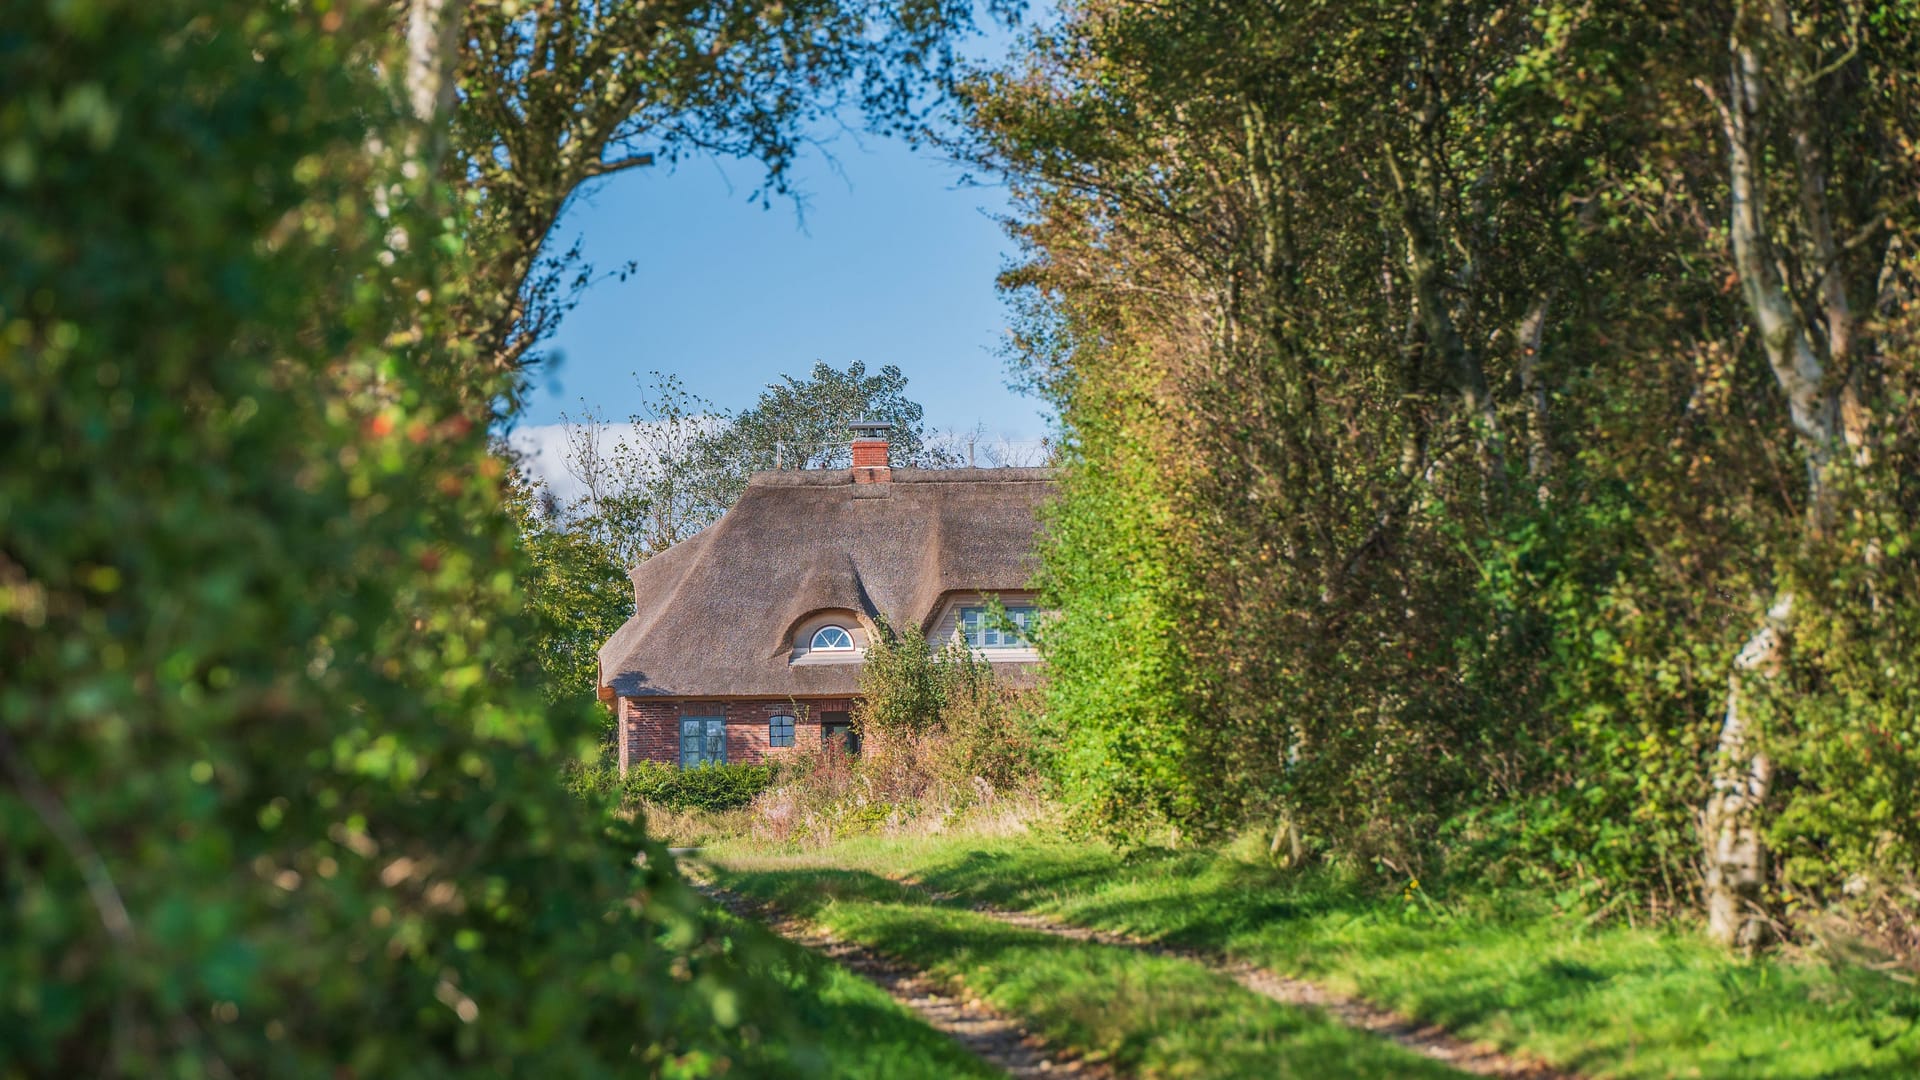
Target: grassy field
[(1599, 997)]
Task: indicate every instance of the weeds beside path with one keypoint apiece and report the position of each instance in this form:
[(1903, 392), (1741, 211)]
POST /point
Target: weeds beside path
[(1506, 968)]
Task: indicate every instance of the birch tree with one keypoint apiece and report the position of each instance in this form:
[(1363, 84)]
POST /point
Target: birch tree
[(1808, 246)]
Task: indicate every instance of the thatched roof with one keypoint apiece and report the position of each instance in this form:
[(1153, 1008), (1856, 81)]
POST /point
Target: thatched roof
[(715, 613)]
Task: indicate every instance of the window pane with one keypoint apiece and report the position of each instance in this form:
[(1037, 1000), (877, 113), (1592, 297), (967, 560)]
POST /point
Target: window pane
[(832, 637), (702, 739), (982, 630)]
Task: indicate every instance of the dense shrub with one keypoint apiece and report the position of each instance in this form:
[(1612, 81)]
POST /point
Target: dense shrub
[(940, 738), (272, 800), (1436, 449), (711, 787), (946, 703)]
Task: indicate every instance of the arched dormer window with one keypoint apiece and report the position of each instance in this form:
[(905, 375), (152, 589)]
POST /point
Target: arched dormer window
[(832, 639), (829, 636)]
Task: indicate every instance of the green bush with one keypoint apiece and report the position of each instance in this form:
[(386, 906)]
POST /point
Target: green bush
[(945, 701), (273, 797), (709, 787)]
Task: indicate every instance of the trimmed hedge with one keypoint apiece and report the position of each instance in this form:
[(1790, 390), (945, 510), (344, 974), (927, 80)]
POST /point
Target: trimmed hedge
[(708, 787)]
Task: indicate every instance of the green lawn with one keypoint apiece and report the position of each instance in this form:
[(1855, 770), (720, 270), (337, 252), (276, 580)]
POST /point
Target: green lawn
[(1607, 1000)]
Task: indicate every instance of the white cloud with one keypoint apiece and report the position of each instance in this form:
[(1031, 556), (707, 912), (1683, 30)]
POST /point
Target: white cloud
[(544, 449)]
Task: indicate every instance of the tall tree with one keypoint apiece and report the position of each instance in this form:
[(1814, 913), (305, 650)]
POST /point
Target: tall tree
[(1301, 277), (801, 423), (576, 595), (640, 489), (679, 462), (1816, 201)]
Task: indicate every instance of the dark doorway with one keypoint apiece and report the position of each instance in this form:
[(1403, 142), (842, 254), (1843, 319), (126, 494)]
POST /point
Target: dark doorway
[(836, 729)]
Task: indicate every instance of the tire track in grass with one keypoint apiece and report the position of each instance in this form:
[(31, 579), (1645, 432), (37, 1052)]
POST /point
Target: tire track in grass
[(987, 1034), (1428, 1040)]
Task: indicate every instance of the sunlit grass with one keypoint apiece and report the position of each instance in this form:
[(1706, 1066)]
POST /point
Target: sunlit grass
[(1149, 1016), (1604, 998)]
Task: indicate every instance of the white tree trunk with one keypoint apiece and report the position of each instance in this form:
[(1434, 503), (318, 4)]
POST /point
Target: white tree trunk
[(433, 54), (1735, 863), (1533, 327), (1734, 856)]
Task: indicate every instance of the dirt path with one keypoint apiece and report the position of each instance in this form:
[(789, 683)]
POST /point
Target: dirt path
[(987, 1034), (1427, 1040)]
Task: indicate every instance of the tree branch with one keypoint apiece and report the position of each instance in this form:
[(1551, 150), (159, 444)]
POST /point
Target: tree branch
[(607, 168)]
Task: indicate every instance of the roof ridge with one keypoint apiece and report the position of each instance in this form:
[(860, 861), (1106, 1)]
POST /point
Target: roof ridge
[(907, 474)]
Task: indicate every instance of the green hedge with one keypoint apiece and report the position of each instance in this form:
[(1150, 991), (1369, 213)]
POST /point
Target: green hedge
[(709, 787)]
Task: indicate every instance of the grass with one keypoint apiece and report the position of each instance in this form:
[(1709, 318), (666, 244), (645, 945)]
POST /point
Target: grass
[(1148, 1016), (1603, 999), (857, 1031)]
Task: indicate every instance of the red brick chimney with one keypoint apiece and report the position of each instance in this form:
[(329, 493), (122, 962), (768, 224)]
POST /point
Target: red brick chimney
[(870, 464)]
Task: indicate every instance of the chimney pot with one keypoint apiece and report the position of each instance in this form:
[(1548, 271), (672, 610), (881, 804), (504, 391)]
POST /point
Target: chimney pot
[(870, 461)]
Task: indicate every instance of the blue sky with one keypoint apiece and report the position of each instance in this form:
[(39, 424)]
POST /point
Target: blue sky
[(889, 259)]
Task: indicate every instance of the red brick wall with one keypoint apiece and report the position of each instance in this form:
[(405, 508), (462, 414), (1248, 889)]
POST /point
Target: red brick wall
[(649, 730), (650, 727)]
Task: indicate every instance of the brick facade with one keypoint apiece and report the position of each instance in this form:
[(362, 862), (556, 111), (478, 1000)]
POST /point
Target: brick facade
[(650, 727)]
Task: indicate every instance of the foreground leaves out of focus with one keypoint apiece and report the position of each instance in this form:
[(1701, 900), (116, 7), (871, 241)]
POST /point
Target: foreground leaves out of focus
[(272, 798)]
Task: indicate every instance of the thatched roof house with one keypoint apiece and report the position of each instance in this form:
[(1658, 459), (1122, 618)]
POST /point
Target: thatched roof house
[(747, 639)]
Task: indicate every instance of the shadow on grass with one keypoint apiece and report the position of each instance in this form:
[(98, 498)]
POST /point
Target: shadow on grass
[(1143, 1013), (1493, 965), (834, 1024)]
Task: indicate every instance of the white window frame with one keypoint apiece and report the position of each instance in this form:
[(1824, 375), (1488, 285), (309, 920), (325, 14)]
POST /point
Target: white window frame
[(813, 643)]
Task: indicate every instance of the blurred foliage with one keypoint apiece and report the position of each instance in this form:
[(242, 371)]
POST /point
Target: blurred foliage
[(275, 796), (1427, 470), (575, 597)]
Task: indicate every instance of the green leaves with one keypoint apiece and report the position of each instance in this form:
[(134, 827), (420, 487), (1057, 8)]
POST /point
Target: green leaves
[(276, 794), (1426, 474)]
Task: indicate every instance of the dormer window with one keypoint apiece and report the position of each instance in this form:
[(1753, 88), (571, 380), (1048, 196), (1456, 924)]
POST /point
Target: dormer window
[(832, 639), (981, 630)]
